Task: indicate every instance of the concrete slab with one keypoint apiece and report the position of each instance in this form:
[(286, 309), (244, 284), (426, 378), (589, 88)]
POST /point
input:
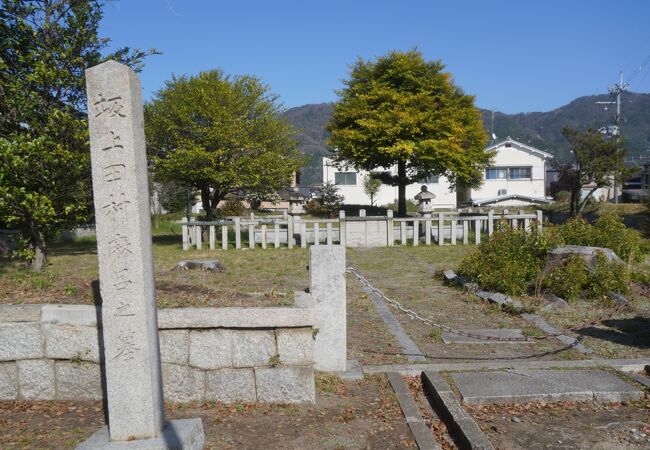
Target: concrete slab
[(520, 386), (496, 333), (354, 372), (182, 434)]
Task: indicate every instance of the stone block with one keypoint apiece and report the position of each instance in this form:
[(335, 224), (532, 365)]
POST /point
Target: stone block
[(235, 317), (71, 342), (78, 381), (253, 348), (285, 385), (174, 346), (36, 379), (183, 384), (211, 349), (517, 386), (8, 381), (185, 434), (20, 341), (295, 346), (82, 315), (20, 313), (327, 287), (230, 385)]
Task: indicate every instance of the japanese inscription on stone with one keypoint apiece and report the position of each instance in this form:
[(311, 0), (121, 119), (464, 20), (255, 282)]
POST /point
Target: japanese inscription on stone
[(123, 226)]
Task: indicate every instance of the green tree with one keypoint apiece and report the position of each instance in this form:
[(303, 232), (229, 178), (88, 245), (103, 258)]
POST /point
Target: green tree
[(597, 162), (405, 111), (45, 46), (330, 199), (371, 186), (221, 135)]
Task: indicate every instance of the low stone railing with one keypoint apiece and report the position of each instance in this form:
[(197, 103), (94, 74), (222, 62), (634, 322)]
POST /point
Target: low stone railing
[(373, 231), (52, 352)]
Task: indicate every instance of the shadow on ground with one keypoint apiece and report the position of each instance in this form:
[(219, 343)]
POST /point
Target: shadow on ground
[(633, 332)]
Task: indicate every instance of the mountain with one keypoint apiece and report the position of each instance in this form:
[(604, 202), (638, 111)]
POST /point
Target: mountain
[(542, 130)]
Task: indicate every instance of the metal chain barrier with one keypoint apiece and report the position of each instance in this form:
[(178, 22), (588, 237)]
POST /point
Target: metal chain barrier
[(412, 314)]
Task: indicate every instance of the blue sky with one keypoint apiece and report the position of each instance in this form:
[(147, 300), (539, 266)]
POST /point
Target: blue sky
[(514, 56)]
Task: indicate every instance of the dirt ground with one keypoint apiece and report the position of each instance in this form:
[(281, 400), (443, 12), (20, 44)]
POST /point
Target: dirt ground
[(355, 415), (415, 286), (565, 425)]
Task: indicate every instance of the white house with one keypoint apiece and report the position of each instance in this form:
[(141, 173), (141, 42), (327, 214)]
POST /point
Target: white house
[(517, 177), (350, 184)]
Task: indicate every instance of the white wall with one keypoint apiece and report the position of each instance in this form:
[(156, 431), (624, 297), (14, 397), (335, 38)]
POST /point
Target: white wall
[(355, 195), (515, 156)]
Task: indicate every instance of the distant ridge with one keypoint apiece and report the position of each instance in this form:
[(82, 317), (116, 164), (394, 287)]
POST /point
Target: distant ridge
[(539, 129)]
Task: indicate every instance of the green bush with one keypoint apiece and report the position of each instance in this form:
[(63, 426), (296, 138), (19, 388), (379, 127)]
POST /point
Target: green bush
[(513, 259), (509, 261), (567, 281), (606, 277), (232, 208)]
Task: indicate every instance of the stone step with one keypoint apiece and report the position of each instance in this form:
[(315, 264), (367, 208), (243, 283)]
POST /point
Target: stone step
[(497, 333), (521, 386)]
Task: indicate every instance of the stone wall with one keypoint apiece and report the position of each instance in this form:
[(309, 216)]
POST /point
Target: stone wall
[(52, 352)]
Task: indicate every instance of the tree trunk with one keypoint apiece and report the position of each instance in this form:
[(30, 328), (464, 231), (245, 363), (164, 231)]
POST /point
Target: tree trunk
[(206, 202), (583, 203), (39, 259), (575, 195), (401, 188)]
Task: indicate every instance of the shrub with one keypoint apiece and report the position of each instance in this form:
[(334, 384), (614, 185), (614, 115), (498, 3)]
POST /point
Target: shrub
[(611, 232), (509, 261), (606, 277), (232, 208), (567, 281)]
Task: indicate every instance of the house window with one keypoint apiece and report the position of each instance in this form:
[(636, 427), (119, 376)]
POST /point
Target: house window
[(431, 179), (510, 173), (496, 173), (519, 173), (345, 178)]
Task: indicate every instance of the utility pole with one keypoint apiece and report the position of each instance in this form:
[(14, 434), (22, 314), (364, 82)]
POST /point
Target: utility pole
[(615, 131)]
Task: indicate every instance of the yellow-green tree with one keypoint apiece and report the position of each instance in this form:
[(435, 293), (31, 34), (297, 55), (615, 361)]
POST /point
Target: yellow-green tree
[(402, 110), (220, 135)]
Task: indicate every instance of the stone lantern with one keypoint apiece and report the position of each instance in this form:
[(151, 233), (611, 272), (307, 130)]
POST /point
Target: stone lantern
[(296, 200), (424, 198)]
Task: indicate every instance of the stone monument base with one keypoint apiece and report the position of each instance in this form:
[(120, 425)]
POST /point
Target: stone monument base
[(184, 434)]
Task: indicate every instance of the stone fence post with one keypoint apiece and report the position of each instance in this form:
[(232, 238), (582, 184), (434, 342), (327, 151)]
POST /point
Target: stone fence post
[(327, 288), (390, 224), (342, 240)]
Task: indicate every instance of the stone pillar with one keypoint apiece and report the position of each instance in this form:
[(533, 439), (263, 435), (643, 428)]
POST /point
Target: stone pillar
[(213, 237), (390, 225), (263, 227), (290, 231), (477, 231), (441, 229), (251, 236), (276, 235), (327, 287), (402, 232), (316, 233), (329, 233), (224, 237), (427, 229), (186, 235), (416, 232), (465, 231), (198, 237), (129, 315), (454, 224), (342, 236), (490, 222), (539, 220), (237, 233)]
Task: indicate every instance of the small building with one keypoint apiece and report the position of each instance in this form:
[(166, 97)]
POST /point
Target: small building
[(516, 177), (350, 184)]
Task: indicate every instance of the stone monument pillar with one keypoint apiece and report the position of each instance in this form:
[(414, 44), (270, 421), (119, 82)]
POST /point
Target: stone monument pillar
[(129, 316)]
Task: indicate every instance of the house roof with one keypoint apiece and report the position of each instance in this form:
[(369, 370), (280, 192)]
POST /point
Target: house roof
[(521, 146), (501, 198)]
